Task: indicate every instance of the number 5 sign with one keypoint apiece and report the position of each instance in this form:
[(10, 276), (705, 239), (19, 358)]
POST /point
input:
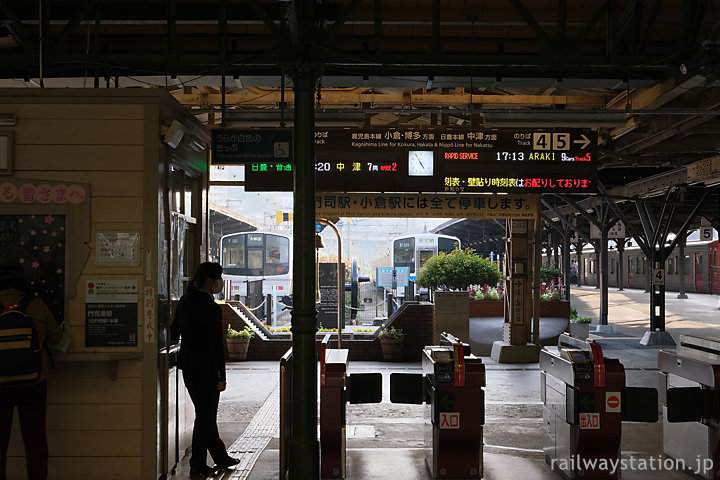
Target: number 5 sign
[(706, 233)]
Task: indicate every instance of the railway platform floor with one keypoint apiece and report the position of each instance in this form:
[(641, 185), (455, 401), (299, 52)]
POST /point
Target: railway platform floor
[(385, 440)]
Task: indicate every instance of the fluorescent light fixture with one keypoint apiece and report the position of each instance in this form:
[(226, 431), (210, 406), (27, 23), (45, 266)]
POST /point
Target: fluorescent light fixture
[(7, 119)]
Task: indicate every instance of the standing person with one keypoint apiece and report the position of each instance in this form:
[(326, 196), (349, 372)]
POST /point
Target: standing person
[(202, 360), (29, 398)]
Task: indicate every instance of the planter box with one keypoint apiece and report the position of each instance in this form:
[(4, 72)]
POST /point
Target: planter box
[(555, 309), (392, 349), (489, 308), (237, 348)]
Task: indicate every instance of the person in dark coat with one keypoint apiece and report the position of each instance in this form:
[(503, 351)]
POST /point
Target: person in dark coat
[(202, 360), (29, 399)]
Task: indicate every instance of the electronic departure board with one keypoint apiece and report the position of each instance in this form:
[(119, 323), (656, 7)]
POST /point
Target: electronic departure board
[(423, 160)]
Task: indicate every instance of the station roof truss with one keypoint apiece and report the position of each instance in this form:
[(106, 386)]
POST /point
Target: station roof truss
[(644, 73)]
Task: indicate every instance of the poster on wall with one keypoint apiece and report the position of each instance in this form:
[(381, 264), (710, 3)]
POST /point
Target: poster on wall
[(111, 313), (34, 246), (117, 248)]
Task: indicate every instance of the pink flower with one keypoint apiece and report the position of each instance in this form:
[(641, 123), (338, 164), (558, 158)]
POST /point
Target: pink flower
[(35, 264), (49, 219)]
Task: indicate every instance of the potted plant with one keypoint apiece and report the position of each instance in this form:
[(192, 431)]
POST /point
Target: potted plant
[(238, 342), (579, 326), (391, 341)]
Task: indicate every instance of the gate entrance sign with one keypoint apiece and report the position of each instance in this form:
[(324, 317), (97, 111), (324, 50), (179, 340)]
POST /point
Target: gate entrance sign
[(431, 160)]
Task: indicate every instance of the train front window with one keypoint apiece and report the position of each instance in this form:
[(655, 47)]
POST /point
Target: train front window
[(255, 261), (233, 255), (423, 256), (447, 245), (404, 253), (277, 255)]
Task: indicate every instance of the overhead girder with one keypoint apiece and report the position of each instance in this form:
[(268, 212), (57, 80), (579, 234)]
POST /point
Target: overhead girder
[(521, 38)]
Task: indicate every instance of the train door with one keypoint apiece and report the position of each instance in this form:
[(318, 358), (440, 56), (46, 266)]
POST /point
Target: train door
[(699, 270), (629, 271)]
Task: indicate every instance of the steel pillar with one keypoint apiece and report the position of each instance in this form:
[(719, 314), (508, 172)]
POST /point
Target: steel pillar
[(621, 269), (680, 268), (304, 459)]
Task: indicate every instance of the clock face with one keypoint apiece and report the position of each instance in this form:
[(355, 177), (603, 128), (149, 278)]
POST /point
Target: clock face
[(420, 163)]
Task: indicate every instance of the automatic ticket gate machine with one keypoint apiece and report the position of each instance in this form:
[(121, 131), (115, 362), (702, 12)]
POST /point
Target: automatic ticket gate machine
[(451, 386), (690, 399), (585, 401), (337, 388)]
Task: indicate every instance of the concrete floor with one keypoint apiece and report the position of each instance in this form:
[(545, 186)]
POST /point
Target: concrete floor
[(384, 441)]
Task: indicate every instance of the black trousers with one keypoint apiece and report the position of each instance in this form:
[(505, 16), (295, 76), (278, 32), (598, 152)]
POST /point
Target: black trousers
[(31, 402), (206, 438)]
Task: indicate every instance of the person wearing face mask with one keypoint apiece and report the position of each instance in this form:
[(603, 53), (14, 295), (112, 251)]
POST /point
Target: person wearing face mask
[(202, 360)]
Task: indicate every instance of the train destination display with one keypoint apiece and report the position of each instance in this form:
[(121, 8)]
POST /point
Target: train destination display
[(422, 160)]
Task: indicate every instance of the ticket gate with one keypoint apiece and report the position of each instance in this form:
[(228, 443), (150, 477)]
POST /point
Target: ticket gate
[(451, 387), (690, 399), (585, 401), (336, 389)]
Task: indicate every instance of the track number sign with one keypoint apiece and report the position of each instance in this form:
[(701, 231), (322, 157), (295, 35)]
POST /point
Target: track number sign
[(658, 276)]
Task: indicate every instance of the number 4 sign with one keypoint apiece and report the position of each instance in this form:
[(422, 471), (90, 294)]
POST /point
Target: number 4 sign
[(658, 276)]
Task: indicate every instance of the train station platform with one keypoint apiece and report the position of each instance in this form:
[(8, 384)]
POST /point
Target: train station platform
[(385, 440)]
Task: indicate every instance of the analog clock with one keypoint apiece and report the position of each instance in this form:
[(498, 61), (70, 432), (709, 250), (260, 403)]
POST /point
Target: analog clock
[(420, 163)]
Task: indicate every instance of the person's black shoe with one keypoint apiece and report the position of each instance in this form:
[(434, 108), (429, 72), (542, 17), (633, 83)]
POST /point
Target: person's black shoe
[(202, 471), (228, 462)]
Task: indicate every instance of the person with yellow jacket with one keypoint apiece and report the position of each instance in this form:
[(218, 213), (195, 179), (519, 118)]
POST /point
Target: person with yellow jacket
[(31, 398)]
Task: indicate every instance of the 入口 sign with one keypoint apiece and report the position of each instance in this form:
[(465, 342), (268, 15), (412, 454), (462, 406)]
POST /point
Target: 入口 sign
[(450, 420)]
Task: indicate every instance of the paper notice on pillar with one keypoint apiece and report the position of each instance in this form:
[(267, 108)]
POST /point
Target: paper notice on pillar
[(111, 313)]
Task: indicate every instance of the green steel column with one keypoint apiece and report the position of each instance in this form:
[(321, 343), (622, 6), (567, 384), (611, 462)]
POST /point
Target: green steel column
[(304, 461)]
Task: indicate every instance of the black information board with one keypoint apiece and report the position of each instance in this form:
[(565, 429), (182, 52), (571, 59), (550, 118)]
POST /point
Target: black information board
[(111, 324), (328, 306), (421, 160), (232, 146)]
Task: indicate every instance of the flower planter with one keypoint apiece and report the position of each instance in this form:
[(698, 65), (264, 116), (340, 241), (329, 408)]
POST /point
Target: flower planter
[(580, 330), (392, 349), (237, 348), (486, 308), (491, 308), (555, 309)]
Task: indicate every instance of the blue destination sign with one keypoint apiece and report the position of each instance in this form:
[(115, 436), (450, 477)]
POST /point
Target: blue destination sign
[(232, 146), (385, 276)]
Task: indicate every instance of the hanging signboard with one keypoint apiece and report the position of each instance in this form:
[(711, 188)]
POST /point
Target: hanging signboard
[(424, 160), (233, 146), (518, 207)]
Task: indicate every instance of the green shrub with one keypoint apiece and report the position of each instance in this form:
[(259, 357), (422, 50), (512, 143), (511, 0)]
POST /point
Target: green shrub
[(550, 274), (457, 271), (246, 332)]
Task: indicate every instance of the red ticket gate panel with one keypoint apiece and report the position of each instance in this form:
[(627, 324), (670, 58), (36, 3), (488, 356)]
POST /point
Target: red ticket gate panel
[(456, 412), (584, 404)]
